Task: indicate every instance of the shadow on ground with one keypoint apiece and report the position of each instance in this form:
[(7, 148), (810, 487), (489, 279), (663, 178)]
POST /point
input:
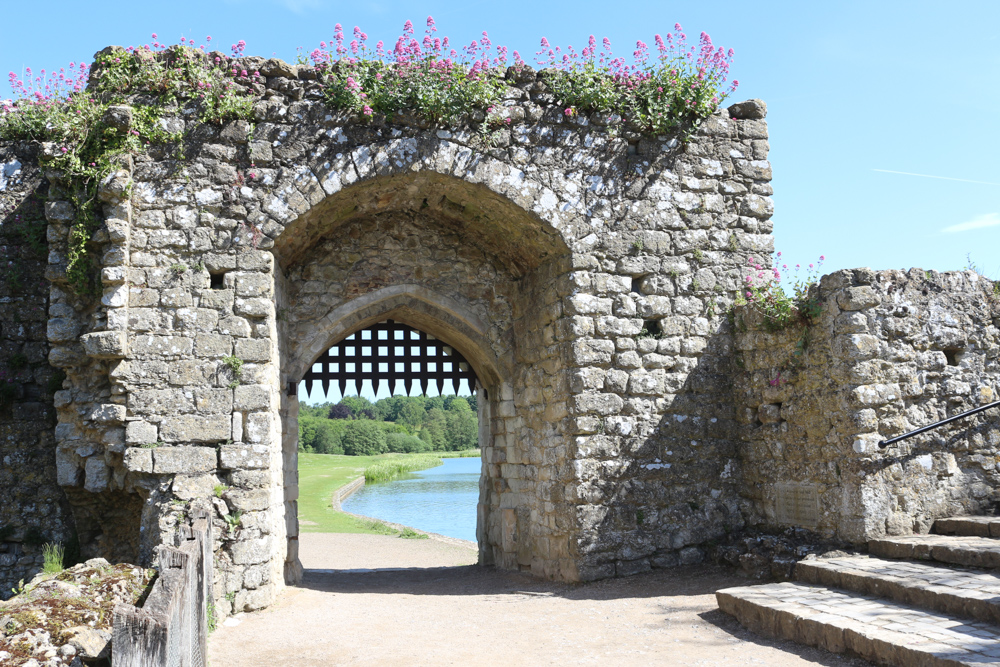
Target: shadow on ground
[(676, 586)]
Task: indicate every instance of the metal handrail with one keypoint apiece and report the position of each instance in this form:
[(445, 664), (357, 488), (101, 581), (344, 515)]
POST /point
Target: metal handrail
[(885, 443)]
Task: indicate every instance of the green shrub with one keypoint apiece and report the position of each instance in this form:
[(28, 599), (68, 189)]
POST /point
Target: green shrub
[(405, 443), (363, 438)]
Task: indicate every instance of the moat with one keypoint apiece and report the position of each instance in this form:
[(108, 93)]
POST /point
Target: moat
[(438, 500)]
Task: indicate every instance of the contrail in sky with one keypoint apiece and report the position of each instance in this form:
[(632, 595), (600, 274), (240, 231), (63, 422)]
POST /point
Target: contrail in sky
[(941, 178)]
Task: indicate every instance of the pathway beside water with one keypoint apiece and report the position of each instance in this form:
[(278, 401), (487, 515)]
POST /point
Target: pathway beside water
[(437, 500)]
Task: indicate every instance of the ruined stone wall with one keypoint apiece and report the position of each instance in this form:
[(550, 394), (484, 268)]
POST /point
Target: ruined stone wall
[(582, 267), (585, 269), (33, 509), (890, 352)]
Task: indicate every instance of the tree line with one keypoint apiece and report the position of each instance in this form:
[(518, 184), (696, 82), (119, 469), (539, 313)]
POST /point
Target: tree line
[(358, 427)]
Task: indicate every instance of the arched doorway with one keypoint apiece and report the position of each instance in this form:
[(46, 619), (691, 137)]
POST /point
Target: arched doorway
[(461, 264)]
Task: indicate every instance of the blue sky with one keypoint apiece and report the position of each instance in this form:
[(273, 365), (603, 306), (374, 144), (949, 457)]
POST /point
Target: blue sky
[(861, 95)]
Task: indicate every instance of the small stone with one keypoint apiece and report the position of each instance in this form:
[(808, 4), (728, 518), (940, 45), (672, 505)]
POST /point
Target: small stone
[(92, 643), (751, 110)]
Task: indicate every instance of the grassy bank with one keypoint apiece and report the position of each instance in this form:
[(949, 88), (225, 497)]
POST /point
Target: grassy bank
[(322, 474), (387, 470)]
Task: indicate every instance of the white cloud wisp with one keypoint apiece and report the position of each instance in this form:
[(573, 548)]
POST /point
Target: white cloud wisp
[(978, 222)]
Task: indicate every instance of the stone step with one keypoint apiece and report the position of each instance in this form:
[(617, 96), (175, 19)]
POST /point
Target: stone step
[(958, 550), (966, 593), (979, 526), (883, 631)]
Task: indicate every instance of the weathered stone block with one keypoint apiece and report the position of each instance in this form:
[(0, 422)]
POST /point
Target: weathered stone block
[(63, 330), (105, 344), (243, 456), (214, 401), (253, 307), (252, 397), (107, 413), (592, 352), (139, 459), (96, 474), (145, 347), (213, 346), (195, 428), (249, 552), (184, 459), (189, 487), (69, 468), (258, 428), (858, 298), (253, 350), (250, 501), (856, 346), (253, 285)]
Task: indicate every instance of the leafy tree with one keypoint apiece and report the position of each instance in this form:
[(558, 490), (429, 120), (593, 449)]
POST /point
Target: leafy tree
[(412, 414), (363, 437), (357, 405), (328, 440), (387, 409), (428, 423), (340, 411), (436, 426), (403, 442), (462, 426)]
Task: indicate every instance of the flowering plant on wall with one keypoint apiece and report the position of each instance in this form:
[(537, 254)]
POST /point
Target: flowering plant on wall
[(433, 79), (763, 291), (674, 89)]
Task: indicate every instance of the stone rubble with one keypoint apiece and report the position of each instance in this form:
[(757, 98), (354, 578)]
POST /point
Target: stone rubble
[(66, 619)]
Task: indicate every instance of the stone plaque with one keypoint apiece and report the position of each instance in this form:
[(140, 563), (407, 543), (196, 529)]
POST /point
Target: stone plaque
[(797, 504)]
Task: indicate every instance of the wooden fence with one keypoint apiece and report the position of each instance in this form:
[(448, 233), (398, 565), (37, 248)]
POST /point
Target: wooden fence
[(171, 628)]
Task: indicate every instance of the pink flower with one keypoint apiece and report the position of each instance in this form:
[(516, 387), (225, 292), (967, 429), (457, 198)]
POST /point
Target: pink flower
[(154, 36), (822, 258)]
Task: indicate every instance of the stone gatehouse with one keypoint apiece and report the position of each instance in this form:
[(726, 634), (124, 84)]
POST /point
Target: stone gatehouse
[(630, 416)]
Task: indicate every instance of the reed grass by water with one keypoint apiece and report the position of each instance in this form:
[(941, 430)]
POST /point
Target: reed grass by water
[(384, 471)]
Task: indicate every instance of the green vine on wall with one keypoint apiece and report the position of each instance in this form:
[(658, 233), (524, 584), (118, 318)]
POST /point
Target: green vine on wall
[(84, 137)]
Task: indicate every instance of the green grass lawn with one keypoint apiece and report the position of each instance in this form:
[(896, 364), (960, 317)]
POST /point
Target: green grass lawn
[(322, 474)]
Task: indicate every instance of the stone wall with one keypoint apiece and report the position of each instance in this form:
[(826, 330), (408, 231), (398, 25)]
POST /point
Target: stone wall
[(890, 352), (33, 509), (542, 251), (583, 268)]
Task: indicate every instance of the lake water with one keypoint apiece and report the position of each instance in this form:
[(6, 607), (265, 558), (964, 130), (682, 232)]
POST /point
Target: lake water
[(439, 500)]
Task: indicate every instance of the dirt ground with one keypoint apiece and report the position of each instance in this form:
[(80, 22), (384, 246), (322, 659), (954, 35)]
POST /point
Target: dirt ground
[(381, 600)]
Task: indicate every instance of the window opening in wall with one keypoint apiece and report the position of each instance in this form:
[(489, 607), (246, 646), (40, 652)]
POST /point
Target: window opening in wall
[(651, 327), (217, 280), (954, 356), (636, 283)]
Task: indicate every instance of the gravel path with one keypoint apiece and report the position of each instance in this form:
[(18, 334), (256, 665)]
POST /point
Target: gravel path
[(380, 600)]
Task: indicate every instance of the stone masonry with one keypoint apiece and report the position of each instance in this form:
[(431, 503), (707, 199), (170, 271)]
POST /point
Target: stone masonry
[(890, 352), (584, 269)]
